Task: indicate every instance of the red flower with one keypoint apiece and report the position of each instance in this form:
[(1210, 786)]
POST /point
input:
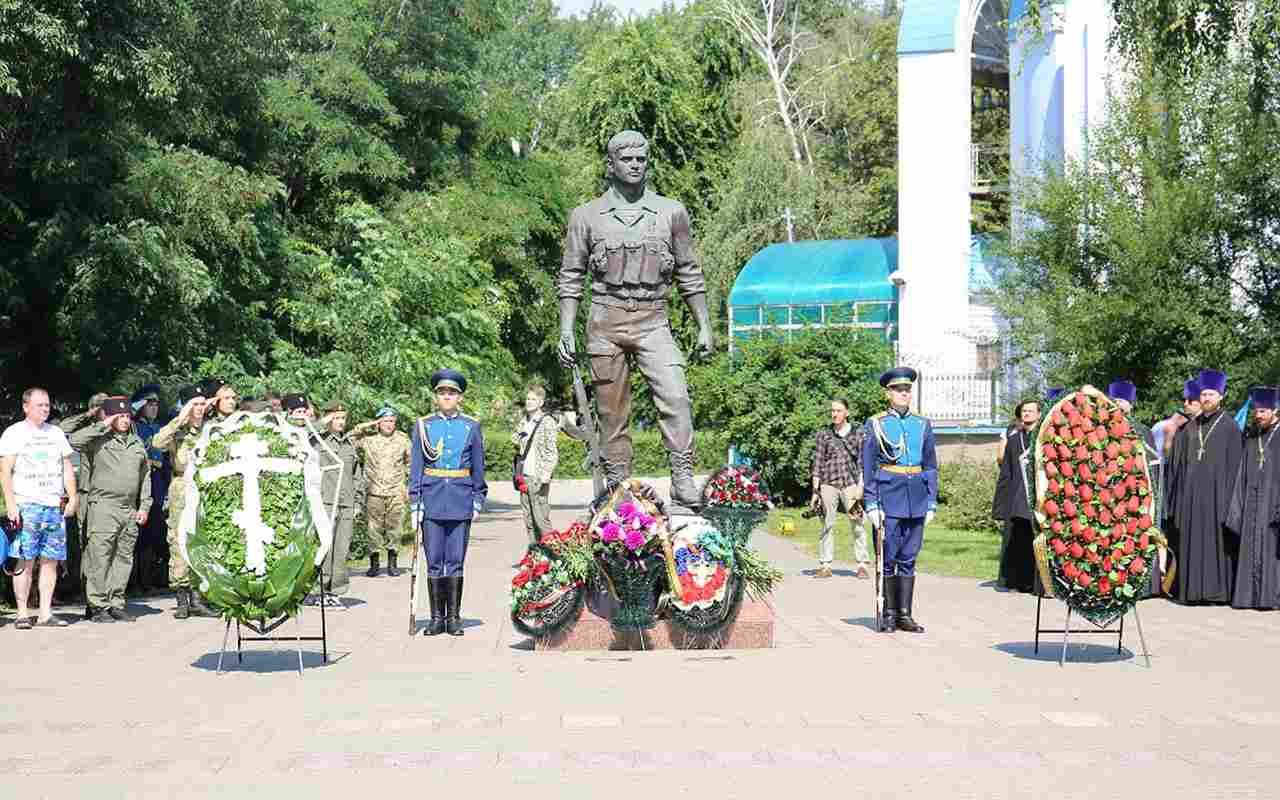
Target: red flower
[(541, 569), (521, 578), (1137, 565)]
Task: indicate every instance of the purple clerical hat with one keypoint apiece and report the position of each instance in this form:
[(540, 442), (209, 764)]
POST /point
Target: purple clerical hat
[(1265, 397), (1191, 389), (1212, 380), (1123, 390)]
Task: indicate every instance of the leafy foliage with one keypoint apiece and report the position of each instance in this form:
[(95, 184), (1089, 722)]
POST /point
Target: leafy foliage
[(778, 395)]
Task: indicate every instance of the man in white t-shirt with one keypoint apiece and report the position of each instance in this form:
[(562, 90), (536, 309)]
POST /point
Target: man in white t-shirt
[(36, 473)]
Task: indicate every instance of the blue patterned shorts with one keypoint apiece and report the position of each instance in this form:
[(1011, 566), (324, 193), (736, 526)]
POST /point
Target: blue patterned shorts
[(44, 533)]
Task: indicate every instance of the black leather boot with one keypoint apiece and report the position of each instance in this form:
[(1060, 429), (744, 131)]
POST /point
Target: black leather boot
[(453, 617), (374, 569), (199, 608), (392, 571), (906, 589), (889, 614), (436, 599), (184, 604)]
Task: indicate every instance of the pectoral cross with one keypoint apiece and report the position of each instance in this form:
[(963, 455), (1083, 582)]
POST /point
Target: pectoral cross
[(247, 461)]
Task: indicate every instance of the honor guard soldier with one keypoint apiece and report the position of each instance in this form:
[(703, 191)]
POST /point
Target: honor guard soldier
[(447, 491), (900, 478)]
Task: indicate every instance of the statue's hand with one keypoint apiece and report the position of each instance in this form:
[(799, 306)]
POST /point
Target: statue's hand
[(706, 346), (568, 349)]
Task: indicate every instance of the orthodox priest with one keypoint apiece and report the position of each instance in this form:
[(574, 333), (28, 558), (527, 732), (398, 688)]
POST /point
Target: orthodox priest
[(1254, 515), (1012, 503), (1125, 395), (1175, 446), (1206, 475)]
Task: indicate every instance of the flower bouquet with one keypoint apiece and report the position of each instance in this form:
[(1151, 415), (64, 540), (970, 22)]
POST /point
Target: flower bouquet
[(545, 596), (627, 532), (1094, 505), (254, 528), (736, 500), (707, 592)]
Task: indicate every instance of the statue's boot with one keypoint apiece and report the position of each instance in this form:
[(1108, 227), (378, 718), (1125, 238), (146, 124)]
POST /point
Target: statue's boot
[(615, 472), (683, 491)]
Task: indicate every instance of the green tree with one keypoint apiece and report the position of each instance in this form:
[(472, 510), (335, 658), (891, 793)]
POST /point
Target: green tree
[(1158, 257)]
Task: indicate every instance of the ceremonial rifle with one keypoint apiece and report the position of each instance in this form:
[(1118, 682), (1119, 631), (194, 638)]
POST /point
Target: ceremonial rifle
[(590, 433), (877, 537)]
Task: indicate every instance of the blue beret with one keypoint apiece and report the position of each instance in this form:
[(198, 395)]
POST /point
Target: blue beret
[(898, 376), (385, 411), (449, 378)]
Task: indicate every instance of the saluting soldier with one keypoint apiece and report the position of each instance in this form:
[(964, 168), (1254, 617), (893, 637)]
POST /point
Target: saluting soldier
[(346, 485), (145, 403), (447, 491), (119, 501), (178, 438), (386, 467), (900, 475), (76, 542)]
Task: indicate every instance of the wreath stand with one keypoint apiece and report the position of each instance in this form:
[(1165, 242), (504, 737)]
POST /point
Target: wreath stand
[(1066, 631), (262, 628)]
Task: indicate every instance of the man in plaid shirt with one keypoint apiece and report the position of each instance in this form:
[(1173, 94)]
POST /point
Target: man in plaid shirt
[(837, 483)]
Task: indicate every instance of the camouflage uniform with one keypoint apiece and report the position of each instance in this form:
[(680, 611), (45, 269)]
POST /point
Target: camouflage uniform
[(178, 439), (386, 467), (347, 482)]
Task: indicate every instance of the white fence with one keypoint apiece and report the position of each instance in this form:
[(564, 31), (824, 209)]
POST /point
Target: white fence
[(968, 398)]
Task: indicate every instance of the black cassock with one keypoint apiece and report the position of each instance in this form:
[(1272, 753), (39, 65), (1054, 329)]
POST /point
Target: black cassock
[(1206, 458), (1254, 516), (1017, 556)]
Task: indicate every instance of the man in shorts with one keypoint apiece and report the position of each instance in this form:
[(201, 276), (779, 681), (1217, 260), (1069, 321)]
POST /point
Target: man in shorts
[(39, 485)]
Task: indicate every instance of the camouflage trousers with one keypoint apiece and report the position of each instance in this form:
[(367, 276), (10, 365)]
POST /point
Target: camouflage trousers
[(384, 520), (179, 576)]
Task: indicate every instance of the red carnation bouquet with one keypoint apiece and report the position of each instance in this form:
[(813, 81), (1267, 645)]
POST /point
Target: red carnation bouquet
[(1095, 506)]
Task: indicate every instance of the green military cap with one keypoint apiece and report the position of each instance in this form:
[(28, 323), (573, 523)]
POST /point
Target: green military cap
[(334, 407), (95, 401)]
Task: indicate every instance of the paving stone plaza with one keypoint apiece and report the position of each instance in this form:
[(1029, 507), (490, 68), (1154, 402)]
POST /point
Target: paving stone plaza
[(966, 710)]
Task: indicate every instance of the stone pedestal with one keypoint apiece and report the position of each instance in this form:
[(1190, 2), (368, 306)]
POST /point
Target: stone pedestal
[(751, 630)]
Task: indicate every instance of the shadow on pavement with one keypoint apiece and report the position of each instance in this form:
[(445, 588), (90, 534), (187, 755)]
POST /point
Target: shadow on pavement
[(281, 659), (862, 622), (1077, 652)]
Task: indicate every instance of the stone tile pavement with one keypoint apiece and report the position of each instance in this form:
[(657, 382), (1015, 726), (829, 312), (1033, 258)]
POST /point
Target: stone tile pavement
[(966, 710)]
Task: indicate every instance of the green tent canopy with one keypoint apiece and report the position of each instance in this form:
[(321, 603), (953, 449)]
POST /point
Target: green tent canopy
[(793, 285)]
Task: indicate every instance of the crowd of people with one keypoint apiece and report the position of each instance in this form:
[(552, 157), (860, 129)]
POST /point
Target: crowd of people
[(1217, 487), (1217, 490), (110, 481)]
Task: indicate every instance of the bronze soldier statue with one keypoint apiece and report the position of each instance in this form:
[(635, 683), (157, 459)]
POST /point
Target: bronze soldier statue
[(636, 243)]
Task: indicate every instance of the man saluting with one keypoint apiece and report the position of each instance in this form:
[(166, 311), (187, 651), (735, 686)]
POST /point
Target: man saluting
[(447, 491), (900, 476)]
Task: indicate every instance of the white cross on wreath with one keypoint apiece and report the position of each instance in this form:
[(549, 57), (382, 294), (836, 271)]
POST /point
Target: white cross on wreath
[(247, 460)]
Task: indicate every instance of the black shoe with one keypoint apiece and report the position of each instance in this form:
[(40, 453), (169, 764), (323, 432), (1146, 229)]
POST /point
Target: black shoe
[(906, 589), (436, 598), (102, 615), (88, 611), (120, 615), (392, 570), (374, 569), (184, 604), (201, 609), (453, 618), (889, 613)]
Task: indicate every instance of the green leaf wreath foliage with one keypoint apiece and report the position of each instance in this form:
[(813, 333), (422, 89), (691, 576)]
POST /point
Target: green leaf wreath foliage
[(217, 545)]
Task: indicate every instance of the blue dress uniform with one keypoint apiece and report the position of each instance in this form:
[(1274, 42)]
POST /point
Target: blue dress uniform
[(900, 479), (447, 488), (153, 537)]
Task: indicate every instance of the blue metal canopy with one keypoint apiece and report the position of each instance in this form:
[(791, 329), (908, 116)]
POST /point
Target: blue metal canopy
[(818, 273), (928, 26)]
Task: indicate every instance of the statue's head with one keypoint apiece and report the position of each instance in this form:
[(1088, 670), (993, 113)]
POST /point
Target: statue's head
[(628, 160)]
